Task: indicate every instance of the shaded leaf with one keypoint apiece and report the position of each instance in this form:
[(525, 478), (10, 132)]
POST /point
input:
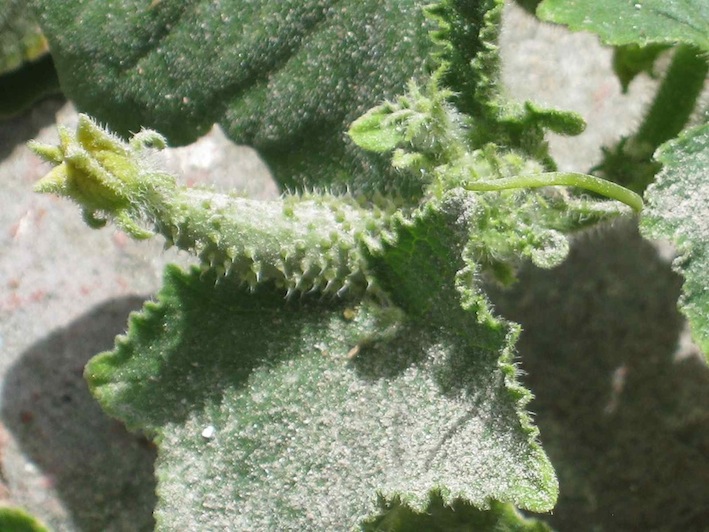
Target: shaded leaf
[(639, 22), (677, 212), (26, 71), (21, 40), (528, 5), (297, 416)]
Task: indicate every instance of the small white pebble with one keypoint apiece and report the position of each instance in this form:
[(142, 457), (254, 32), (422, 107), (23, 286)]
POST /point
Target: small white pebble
[(209, 432)]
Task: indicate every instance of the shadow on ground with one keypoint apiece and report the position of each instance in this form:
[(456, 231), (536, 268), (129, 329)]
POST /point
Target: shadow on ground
[(24, 127), (103, 474), (624, 419)]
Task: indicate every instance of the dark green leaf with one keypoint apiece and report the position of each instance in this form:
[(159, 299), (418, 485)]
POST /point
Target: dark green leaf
[(528, 5), (21, 88), (286, 77)]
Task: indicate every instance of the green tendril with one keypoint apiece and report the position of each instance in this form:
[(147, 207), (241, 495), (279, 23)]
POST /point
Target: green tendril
[(570, 179)]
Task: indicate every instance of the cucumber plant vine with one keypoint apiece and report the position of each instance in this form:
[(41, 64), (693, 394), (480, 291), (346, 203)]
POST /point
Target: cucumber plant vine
[(336, 343)]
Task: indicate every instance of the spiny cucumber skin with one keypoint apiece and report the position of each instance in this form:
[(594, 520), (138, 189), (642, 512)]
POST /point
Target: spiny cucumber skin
[(300, 243)]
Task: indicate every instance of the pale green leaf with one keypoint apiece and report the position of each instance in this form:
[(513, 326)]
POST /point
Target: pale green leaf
[(677, 211), (640, 22), (274, 415)]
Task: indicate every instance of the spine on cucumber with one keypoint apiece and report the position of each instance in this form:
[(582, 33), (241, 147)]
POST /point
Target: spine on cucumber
[(301, 243)]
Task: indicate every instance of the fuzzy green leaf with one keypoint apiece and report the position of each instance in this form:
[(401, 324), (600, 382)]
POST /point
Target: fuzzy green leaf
[(676, 210), (389, 376), (368, 131), (274, 415), (286, 77), (640, 22)]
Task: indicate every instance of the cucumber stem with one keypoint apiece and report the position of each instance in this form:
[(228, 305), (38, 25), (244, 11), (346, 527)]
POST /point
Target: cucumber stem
[(569, 179)]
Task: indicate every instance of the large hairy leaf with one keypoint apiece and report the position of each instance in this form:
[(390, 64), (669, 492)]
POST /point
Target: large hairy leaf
[(676, 210), (285, 77), (300, 416), (634, 22)]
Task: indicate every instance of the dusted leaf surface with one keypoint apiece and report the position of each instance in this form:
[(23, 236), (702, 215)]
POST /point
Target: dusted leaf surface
[(264, 422), (677, 211), (634, 22), (275, 412)]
